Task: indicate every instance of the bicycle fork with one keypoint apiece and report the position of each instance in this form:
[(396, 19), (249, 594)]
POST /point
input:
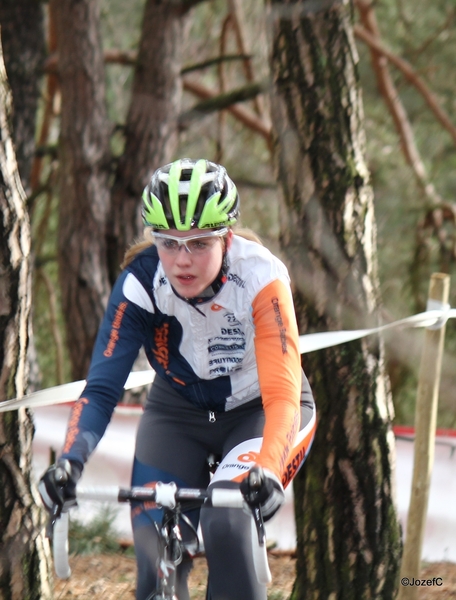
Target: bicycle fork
[(170, 559)]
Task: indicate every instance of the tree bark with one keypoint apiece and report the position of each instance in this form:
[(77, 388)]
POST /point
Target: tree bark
[(152, 122), (24, 553), (84, 176), (348, 536), (23, 41)]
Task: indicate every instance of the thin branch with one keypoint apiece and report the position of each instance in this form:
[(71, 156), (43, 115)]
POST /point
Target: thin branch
[(120, 57), (440, 212), (447, 24), (51, 150), (240, 113), (241, 38), (243, 115), (393, 101), (189, 4), (31, 199), (410, 74), (212, 62), (404, 129), (129, 57), (222, 101)]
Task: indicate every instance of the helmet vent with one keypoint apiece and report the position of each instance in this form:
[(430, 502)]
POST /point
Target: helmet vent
[(188, 194)]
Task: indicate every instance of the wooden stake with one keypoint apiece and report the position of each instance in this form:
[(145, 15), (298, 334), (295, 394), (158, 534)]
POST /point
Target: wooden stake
[(425, 426)]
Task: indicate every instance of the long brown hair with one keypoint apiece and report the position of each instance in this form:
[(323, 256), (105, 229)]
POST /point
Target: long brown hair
[(148, 240), (137, 247)]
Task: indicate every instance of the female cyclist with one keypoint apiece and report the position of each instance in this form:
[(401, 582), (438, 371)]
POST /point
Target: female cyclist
[(214, 313)]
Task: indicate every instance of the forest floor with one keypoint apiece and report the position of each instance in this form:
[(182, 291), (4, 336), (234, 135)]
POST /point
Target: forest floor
[(112, 577)]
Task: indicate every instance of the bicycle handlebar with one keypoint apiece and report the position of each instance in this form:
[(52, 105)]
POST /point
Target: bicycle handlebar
[(165, 495), (60, 547)]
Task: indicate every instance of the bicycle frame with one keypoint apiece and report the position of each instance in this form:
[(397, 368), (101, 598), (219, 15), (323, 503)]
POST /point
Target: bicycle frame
[(171, 555)]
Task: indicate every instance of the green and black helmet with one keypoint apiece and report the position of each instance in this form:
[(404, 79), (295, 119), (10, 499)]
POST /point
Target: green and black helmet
[(189, 194)]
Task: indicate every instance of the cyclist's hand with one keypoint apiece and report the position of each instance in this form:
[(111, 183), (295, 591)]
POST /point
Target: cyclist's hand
[(57, 486), (263, 488)]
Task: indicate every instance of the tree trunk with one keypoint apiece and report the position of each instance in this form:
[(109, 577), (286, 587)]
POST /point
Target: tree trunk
[(151, 133), (24, 553), (24, 48), (84, 173), (23, 41), (152, 122), (94, 230), (348, 533)]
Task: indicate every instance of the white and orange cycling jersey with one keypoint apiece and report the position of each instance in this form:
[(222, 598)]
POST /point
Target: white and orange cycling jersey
[(218, 353)]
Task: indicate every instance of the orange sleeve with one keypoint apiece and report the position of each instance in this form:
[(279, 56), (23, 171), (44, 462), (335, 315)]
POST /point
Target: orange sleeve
[(279, 372)]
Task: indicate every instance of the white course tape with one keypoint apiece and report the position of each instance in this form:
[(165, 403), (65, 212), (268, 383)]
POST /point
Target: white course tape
[(69, 392), (326, 339), (434, 318), (444, 308)]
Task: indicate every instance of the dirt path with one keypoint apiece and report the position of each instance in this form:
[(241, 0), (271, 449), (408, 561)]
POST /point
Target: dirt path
[(112, 577)]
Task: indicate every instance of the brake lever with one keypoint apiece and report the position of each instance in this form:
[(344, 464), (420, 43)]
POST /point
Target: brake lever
[(61, 478), (255, 482), (259, 523), (53, 516)]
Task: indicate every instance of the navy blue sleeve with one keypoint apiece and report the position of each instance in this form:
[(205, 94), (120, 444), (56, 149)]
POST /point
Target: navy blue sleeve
[(120, 337)]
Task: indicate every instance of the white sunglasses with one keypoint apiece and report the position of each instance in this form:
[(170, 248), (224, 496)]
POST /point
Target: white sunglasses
[(194, 244)]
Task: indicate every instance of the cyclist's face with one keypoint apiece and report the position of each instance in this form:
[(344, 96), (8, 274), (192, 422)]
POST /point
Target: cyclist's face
[(191, 272)]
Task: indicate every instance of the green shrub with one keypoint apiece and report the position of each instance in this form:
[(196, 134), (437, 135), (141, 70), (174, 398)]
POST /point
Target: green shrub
[(99, 536)]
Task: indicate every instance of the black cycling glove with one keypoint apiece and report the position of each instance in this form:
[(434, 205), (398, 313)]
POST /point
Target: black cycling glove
[(57, 486), (262, 488)]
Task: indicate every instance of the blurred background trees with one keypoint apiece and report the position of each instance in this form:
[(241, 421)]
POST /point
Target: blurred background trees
[(105, 91), (147, 115)]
